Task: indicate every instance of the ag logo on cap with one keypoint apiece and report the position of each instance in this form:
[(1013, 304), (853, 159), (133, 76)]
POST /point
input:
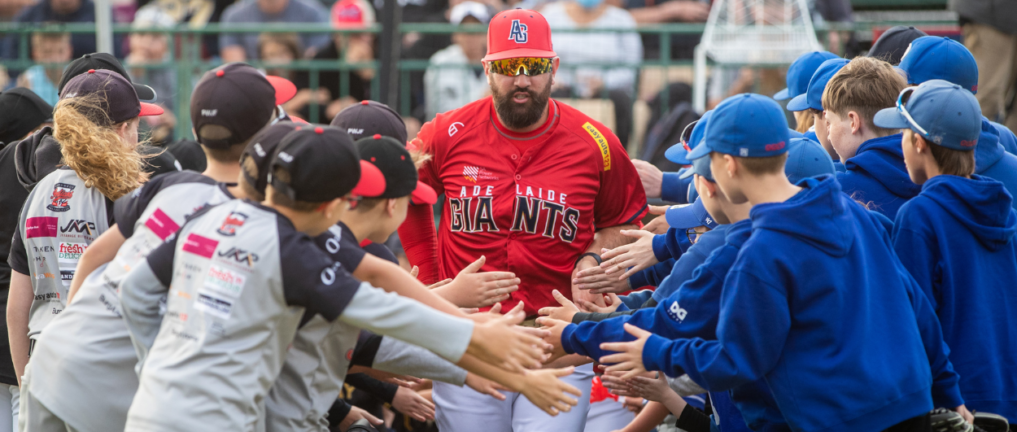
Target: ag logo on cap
[(518, 32)]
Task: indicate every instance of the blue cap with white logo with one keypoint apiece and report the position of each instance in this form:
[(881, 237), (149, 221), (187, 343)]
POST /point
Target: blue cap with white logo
[(690, 216), (678, 153), (944, 113), (813, 96), (800, 73), (931, 57), (745, 125)]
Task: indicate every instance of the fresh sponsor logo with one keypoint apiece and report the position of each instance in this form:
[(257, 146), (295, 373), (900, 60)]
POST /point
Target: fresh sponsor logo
[(240, 256), (676, 312), (234, 221), (71, 251), (605, 149), (161, 224), (43, 226), (79, 226), (198, 245), (62, 193), (518, 32), (224, 282)]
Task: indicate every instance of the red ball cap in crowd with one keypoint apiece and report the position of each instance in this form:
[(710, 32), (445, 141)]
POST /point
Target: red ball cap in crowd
[(518, 33)]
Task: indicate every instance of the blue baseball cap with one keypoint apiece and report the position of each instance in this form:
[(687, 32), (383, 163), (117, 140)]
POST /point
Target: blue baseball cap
[(806, 158), (813, 96), (800, 73), (689, 216), (745, 125), (931, 57), (942, 112), (678, 153)]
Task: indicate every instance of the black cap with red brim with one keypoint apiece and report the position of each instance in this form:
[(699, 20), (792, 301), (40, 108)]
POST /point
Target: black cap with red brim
[(323, 164), (394, 162)]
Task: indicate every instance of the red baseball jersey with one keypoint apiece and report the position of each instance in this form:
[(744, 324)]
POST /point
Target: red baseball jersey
[(528, 202)]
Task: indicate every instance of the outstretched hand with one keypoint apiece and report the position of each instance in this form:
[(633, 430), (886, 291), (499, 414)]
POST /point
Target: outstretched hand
[(554, 330), (629, 356), (626, 260), (544, 389), (474, 289), (497, 341), (563, 313)]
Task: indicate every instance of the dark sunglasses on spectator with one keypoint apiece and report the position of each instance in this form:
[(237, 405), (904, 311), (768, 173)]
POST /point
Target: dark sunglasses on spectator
[(528, 66)]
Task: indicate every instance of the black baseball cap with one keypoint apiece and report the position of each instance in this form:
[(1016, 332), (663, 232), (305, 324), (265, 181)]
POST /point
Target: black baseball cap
[(323, 164), (102, 61), (117, 98), (237, 97), (261, 149), (22, 111), (893, 43), (395, 163), (369, 118)]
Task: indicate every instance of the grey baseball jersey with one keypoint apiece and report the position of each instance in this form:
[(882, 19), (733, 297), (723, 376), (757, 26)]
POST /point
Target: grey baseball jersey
[(60, 219), (87, 349), (210, 362), (315, 368)]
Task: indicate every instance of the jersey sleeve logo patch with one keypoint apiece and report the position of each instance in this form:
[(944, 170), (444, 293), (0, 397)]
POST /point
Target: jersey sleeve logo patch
[(676, 312), (605, 150), (518, 32), (62, 193)]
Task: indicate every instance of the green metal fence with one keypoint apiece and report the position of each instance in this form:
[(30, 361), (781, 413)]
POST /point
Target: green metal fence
[(186, 59)]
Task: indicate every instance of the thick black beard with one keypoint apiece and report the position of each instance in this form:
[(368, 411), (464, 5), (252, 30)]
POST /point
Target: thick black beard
[(517, 116)]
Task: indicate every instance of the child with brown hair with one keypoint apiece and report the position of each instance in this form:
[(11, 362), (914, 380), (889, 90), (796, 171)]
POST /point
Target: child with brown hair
[(874, 166), (957, 239)]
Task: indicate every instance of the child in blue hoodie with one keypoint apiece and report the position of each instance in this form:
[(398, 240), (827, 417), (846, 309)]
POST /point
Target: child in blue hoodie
[(810, 102), (930, 58), (839, 347), (957, 240), (798, 76), (874, 166)]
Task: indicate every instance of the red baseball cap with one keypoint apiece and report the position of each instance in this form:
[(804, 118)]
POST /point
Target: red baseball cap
[(284, 89), (518, 33)]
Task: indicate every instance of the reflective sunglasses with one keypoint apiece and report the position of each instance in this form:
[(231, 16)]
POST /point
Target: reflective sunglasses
[(902, 100), (687, 135), (528, 66)]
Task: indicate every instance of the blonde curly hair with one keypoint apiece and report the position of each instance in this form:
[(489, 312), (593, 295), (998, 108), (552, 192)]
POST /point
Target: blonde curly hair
[(93, 149)]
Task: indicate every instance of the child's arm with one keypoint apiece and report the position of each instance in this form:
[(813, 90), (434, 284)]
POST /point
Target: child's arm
[(19, 305), (140, 293), (100, 252), (392, 278), (652, 415)]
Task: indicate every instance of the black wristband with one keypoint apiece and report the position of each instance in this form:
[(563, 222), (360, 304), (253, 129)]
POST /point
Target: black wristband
[(595, 256)]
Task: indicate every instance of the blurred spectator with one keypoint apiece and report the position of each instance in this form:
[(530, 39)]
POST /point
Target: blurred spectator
[(235, 47), (10, 8), (350, 48), (990, 33), (455, 75), (622, 49), (50, 51), (195, 14), (275, 49), (61, 11), (835, 11), (893, 43), (668, 11), (149, 48)]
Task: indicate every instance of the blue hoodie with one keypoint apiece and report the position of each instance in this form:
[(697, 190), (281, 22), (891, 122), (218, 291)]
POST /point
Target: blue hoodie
[(690, 260), (877, 177), (957, 240), (816, 304), (653, 275), (1006, 136), (992, 159), (691, 311), (675, 189)]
